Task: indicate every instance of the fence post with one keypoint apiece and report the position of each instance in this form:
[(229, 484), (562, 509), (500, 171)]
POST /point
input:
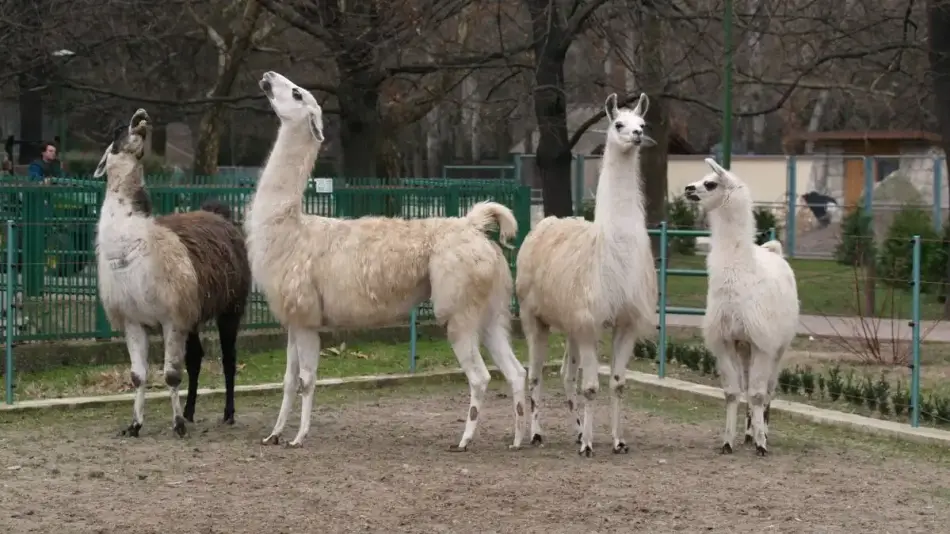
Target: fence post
[(661, 345), (412, 339), (791, 178), (915, 336), (772, 234), (518, 166), (578, 185), (938, 183), (868, 183), (34, 241), (9, 303)]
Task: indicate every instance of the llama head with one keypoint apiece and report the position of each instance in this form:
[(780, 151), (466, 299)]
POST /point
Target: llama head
[(127, 148), (293, 104), (717, 189), (625, 130)]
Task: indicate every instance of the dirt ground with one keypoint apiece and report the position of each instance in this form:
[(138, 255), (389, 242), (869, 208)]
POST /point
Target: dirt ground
[(378, 461)]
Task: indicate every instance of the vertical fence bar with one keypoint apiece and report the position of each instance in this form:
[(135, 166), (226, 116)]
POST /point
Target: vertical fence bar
[(772, 234), (10, 319), (579, 185), (791, 178), (661, 344), (868, 183), (412, 339), (915, 336), (938, 201)]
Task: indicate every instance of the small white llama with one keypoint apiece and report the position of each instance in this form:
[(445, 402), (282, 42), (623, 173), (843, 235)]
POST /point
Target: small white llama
[(320, 272), (579, 277), (177, 271), (751, 305)]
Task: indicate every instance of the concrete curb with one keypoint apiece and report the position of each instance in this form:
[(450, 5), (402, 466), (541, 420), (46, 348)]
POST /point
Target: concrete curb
[(797, 410)]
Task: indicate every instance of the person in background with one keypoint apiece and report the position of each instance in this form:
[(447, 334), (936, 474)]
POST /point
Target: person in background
[(46, 166), (6, 164)]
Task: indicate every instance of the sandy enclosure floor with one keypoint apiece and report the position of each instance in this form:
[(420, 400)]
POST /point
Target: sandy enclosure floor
[(378, 461)]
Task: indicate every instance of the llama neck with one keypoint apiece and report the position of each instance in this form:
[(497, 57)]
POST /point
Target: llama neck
[(126, 185), (619, 208), (284, 178), (733, 228)]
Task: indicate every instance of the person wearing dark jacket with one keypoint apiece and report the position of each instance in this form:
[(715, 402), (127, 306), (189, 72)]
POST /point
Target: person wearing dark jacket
[(46, 166)]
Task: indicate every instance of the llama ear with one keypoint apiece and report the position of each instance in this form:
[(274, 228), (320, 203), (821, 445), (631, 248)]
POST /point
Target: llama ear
[(101, 167), (716, 167), (610, 107), (642, 105), (316, 127)]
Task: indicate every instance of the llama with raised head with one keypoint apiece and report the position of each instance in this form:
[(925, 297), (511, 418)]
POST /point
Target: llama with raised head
[(751, 304), (325, 273), (579, 277), (177, 271)]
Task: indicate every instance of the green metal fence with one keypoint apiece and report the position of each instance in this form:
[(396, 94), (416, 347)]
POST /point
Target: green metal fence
[(52, 257)]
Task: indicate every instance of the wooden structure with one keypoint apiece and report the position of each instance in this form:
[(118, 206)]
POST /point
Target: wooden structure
[(881, 146)]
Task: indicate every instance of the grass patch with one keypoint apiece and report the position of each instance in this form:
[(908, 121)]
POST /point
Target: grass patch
[(824, 288), (359, 358)]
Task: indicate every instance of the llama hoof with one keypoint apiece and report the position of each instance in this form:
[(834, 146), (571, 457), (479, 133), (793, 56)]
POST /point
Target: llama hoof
[(749, 440), (537, 440), (586, 451), (133, 430), (295, 444), (514, 447), (621, 448), (179, 426), (760, 450), (272, 439), (456, 448), (726, 448)]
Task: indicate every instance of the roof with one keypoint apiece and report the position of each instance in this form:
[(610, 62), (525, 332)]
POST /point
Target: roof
[(865, 135)]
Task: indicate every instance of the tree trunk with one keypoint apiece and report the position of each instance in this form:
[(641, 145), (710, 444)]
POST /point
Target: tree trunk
[(360, 128), (209, 131), (653, 161), (938, 18), (31, 116), (554, 150)]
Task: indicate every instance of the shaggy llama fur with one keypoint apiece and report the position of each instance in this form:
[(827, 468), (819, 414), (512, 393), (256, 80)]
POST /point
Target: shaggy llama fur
[(751, 305), (579, 277), (324, 273), (178, 271)]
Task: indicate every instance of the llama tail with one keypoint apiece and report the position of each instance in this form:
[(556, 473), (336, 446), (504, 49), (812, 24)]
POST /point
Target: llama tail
[(773, 246), (216, 206), (487, 214)]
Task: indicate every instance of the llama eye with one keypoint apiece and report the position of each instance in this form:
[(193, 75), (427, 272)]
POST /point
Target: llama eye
[(710, 185), (618, 126), (296, 94)]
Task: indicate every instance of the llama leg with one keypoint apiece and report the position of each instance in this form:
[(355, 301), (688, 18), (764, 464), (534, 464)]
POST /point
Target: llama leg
[(194, 353), (290, 389), (137, 342), (625, 338), (499, 346), (465, 346), (570, 366), (174, 354), (730, 377), (536, 334), (227, 331), (760, 378), (308, 354), (590, 383)]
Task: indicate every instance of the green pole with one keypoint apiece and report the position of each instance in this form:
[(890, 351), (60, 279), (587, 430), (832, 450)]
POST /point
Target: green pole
[(10, 320), (727, 89), (915, 335), (661, 343)]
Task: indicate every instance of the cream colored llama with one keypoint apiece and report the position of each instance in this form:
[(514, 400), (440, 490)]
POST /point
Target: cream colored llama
[(319, 272), (752, 303), (177, 271), (579, 276)]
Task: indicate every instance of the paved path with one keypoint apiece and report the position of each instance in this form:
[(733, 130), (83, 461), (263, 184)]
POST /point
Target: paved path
[(820, 325)]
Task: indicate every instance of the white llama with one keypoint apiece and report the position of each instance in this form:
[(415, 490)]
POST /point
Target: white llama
[(177, 271), (579, 277), (319, 272), (751, 305)]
